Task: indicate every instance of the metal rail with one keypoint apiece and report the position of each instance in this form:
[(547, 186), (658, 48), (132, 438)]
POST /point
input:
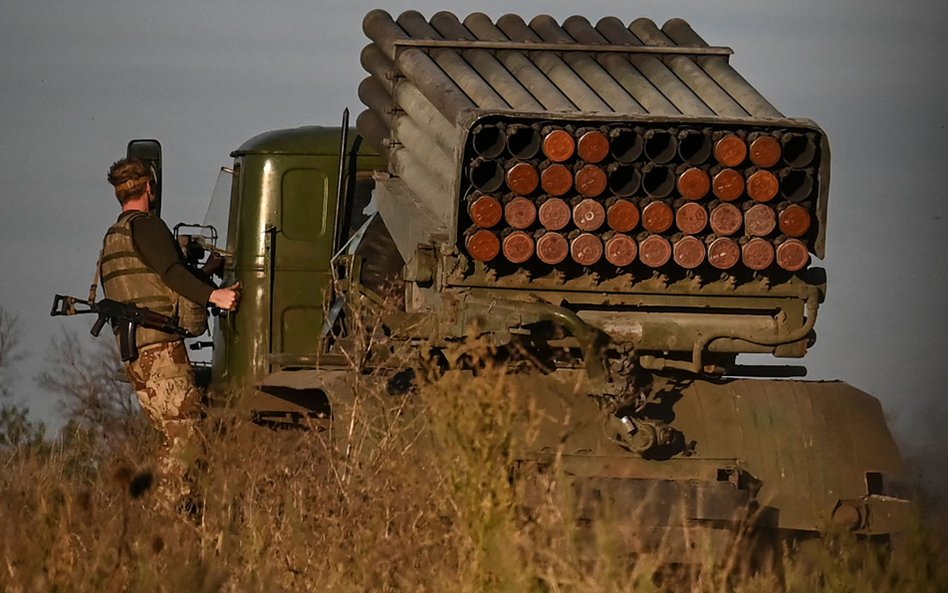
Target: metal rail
[(563, 47)]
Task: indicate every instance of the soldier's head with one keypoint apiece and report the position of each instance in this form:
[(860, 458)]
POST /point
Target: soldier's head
[(131, 178)]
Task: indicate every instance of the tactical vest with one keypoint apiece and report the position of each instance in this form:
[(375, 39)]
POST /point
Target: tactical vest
[(127, 279)]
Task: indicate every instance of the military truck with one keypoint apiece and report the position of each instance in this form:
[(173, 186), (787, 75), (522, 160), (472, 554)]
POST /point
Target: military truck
[(615, 201)]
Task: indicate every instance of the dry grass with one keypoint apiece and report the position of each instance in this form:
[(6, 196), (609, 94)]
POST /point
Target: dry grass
[(414, 494)]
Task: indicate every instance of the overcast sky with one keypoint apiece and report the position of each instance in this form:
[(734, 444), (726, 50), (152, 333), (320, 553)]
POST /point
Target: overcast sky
[(79, 79)]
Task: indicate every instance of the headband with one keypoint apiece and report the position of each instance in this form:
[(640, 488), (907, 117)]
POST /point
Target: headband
[(131, 184)]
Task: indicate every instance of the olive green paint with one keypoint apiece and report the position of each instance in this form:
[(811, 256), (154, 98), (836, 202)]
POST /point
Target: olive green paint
[(282, 226)]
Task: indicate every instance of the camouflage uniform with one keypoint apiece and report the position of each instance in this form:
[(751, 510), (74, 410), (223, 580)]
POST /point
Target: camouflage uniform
[(164, 381), (162, 374)]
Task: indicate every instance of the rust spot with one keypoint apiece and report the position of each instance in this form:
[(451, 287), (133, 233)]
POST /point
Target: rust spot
[(591, 181), (589, 215), (555, 214), (483, 245), (760, 220), (794, 221), (655, 251), (757, 254), (792, 255), (593, 146), (724, 253), (657, 217), (552, 248), (621, 250), (765, 151), (730, 150), (728, 185), (691, 218), (559, 145), (520, 213), (689, 252), (694, 184), (726, 219), (556, 180), (522, 178), (486, 211), (586, 249), (622, 216), (518, 247)]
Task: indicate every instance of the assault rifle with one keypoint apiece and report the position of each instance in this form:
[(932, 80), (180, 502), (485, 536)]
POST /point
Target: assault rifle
[(124, 317)]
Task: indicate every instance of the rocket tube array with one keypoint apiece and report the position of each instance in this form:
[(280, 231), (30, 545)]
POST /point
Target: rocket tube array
[(625, 195)]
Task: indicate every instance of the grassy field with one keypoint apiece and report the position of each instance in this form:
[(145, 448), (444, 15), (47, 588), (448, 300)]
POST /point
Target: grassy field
[(412, 494)]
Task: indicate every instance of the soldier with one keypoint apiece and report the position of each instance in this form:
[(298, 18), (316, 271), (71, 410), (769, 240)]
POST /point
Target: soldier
[(142, 264)]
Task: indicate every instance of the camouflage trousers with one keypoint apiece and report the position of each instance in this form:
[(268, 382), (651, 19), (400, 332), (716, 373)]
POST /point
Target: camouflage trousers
[(164, 381)]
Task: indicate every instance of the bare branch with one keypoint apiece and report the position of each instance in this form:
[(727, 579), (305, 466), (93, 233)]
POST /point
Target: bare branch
[(10, 352), (90, 383)]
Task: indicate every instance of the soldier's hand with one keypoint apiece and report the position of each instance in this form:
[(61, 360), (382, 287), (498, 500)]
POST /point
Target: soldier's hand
[(226, 298)]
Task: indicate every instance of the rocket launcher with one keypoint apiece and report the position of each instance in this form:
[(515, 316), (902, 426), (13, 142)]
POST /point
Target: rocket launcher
[(616, 169)]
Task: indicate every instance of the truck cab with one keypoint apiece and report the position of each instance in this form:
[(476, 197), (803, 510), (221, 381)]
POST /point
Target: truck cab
[(286, 219)]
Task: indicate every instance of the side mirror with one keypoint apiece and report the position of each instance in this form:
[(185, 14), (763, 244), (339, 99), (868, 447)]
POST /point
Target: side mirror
[(149, 150)]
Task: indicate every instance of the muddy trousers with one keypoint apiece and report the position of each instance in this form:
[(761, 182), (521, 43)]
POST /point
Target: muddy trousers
[(164, 381)]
